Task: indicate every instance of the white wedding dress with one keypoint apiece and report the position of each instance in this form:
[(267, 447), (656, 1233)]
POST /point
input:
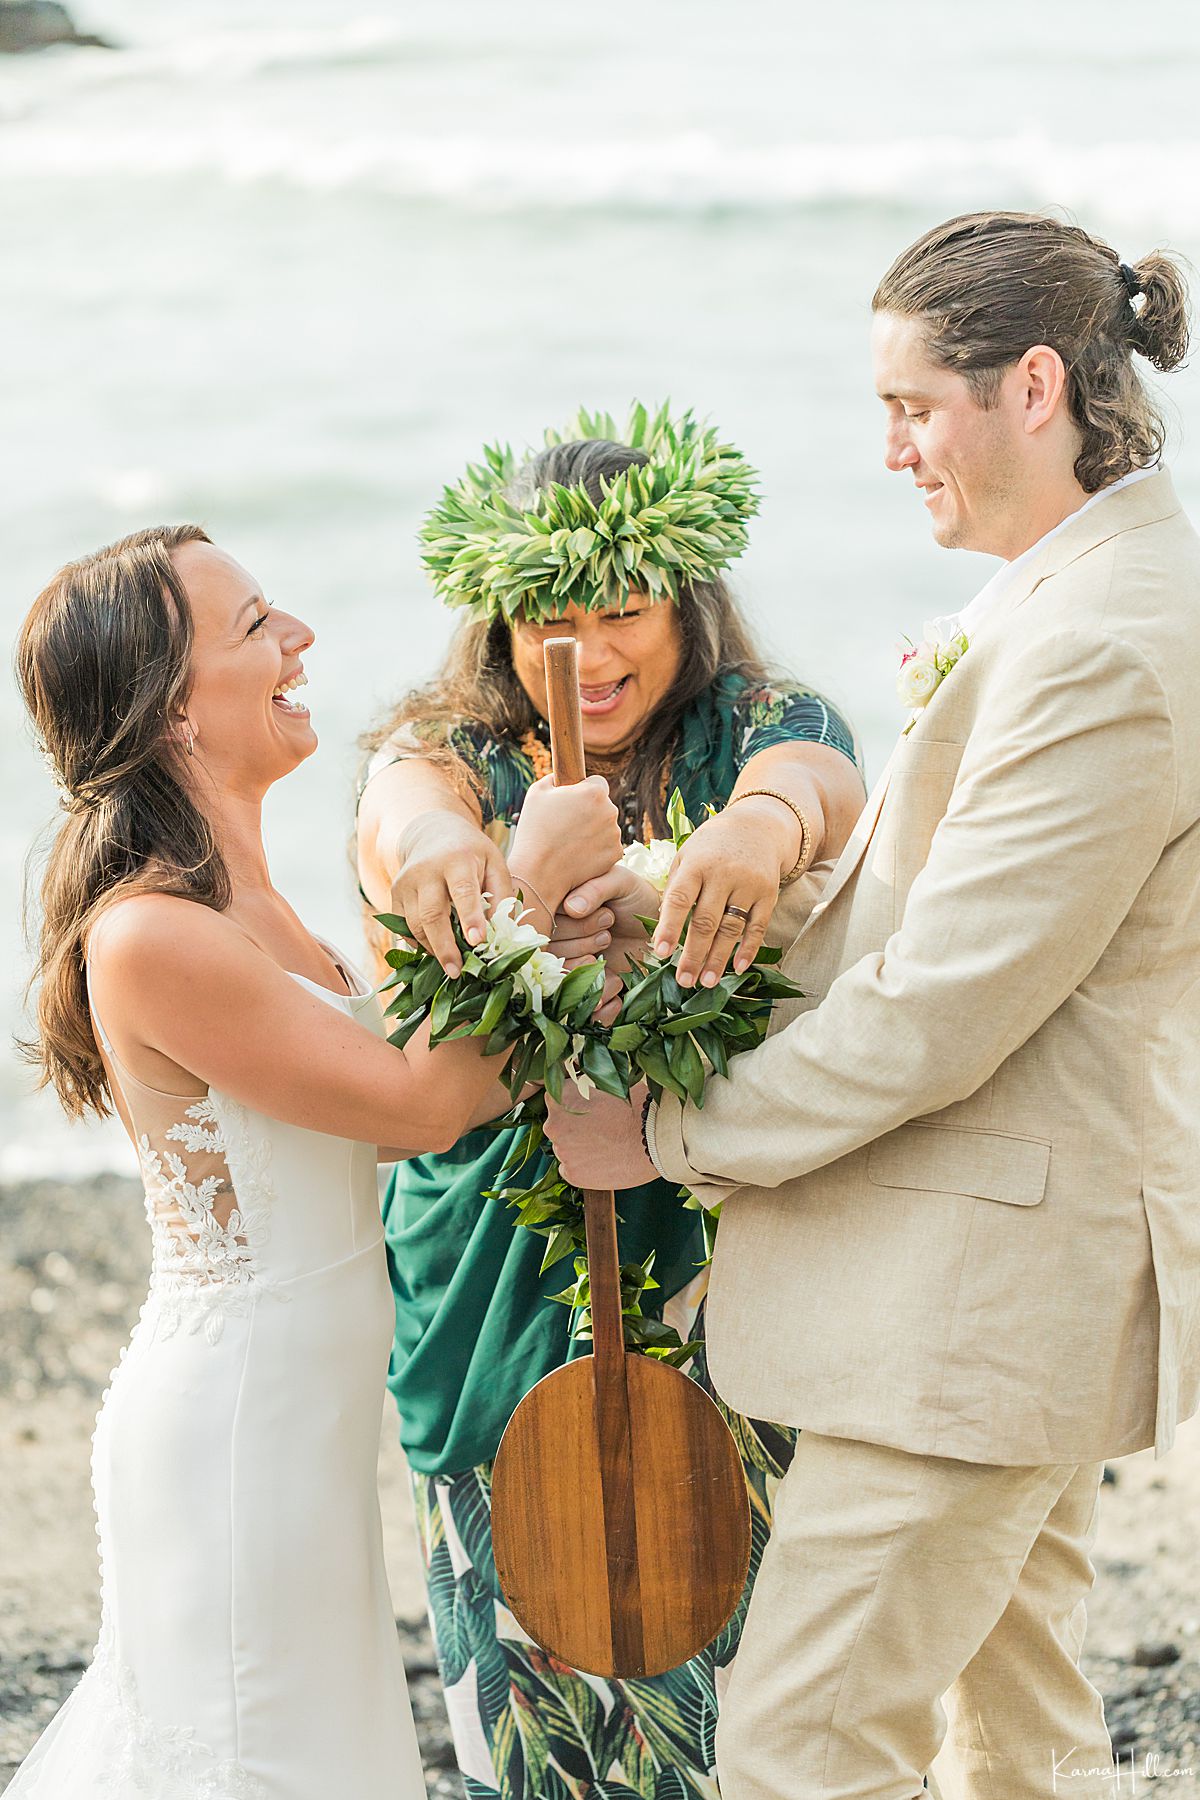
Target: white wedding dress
[(247, 1646)]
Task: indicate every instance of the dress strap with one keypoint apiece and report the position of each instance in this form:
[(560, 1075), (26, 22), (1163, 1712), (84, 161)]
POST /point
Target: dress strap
[(124, 1077), (102, 1037)]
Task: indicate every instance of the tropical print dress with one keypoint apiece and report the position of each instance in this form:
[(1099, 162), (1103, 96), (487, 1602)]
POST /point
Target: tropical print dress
[(476, 1328)]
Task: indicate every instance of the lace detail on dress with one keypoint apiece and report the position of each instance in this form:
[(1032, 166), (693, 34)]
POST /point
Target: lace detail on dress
[(209, 1213), (127, 1754)]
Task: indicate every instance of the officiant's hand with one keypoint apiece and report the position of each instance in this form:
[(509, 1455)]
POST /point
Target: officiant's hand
[(723, 888), (598, 1142)]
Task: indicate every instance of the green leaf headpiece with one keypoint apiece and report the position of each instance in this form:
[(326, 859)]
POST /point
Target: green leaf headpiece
[(659, 526)]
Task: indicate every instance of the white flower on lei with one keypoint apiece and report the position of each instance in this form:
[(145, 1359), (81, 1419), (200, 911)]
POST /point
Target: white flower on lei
[(573, 1069), (541, 976), (652, 861), (506, 933)]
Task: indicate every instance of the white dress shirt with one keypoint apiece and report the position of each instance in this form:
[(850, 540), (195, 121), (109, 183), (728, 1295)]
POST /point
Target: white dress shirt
[(940, 631)]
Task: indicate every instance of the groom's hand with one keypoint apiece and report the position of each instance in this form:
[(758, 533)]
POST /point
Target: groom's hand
[(598, 1142)]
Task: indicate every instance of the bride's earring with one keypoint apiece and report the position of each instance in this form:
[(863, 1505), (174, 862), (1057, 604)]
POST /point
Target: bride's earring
[(189, 744)]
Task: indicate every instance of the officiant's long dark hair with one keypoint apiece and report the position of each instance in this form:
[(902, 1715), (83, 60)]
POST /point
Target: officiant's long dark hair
[(104, 664), (478, 683), (988, 286)]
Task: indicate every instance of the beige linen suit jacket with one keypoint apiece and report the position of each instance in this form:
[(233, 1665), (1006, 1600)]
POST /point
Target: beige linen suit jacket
[(962, 1177)]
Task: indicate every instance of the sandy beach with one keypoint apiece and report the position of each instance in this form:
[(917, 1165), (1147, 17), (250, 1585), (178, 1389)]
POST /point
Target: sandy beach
[(73, 1261)]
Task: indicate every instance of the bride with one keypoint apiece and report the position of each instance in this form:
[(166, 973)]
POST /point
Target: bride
[(247, 1647)]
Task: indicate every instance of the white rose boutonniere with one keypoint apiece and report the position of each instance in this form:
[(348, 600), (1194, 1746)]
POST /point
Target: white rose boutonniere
[(924, 667)]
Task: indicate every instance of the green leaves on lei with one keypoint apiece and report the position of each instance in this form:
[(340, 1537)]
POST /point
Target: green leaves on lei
[(517, 997), (680, 518)]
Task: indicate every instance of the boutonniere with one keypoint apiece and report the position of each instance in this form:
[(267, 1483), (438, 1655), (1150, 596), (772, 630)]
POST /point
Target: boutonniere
[(923, 668)]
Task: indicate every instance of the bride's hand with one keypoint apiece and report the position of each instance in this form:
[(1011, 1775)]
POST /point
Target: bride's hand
[(447, 865), (564, 834), (602, 917)]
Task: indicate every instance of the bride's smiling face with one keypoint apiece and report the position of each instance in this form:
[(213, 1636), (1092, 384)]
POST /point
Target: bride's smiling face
[(244, 712)]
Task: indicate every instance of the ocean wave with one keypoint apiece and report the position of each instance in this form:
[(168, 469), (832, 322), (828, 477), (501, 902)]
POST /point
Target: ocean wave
[(686, 173), (243, 54)]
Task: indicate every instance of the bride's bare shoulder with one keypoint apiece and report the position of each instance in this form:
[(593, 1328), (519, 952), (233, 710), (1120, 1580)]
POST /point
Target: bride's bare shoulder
[(151, 932)]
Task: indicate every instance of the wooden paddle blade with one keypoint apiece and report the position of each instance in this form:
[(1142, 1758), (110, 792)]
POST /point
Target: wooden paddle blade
[(622, 1603)]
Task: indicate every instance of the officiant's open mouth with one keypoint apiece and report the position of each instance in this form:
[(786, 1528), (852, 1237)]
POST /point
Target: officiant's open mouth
[(931, 489), (597, 701), (280, 698)]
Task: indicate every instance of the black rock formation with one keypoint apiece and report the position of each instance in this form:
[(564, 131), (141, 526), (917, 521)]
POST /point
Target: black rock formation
[(37, 24)]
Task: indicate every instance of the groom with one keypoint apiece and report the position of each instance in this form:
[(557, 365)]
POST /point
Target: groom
[(960, 1243)]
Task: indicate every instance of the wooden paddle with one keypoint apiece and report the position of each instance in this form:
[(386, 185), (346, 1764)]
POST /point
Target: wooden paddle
[(620, 1516)]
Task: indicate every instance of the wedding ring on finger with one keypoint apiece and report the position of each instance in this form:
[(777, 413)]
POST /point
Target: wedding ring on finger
[(738, 912)]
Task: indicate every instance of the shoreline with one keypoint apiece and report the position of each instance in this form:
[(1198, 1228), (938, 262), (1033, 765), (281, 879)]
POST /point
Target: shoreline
[(74, 1258)]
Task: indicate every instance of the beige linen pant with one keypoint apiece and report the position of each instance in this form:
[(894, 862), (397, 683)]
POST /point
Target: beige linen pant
[(908, 1605)]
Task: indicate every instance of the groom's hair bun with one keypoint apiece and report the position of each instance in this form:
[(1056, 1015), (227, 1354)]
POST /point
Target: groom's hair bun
[(988, 286)]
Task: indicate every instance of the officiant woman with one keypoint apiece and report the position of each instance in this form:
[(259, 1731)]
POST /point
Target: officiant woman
[(620, 539)]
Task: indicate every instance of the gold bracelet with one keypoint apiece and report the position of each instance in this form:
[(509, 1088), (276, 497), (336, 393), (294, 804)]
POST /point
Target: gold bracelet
[(806, 831)]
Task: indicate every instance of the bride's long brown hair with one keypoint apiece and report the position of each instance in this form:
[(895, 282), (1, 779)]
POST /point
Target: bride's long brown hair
[(104, 665)]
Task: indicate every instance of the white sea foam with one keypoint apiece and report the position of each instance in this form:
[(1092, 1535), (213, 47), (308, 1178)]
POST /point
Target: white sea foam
[(688, 172), (236, 55), (129, 490)]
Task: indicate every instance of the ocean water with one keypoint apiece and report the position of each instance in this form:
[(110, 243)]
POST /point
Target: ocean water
[(283, 268)]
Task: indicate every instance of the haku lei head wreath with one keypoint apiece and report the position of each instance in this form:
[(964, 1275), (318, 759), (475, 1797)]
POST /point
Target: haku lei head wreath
[(678, 518)]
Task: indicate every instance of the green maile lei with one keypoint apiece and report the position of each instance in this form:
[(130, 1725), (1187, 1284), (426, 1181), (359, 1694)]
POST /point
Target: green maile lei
[(658, 527), (517, 996)]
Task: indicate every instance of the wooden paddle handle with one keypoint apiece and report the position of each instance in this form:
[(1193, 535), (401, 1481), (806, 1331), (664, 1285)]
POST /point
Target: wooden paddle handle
[(567, 757), (566, 718), (604, 1271)]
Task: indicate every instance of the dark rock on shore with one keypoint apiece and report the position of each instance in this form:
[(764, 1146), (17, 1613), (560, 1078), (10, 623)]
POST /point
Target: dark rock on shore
[(38, 24), (1154, 1723)]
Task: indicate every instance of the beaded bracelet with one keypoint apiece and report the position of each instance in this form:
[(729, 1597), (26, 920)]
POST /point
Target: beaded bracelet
[(806, 831)]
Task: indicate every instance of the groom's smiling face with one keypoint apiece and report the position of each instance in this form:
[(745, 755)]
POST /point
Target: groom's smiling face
[(965, 459)]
